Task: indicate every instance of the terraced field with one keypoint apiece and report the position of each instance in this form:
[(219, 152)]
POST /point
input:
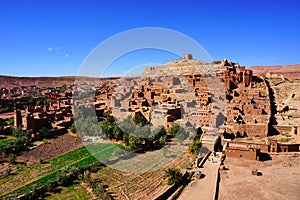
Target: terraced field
[(139, 176), (133, 185), (145, 185), (27, 177)]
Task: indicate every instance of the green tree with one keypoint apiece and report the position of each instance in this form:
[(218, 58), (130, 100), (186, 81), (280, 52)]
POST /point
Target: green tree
[(139, 119), (118, 133), (194, 147), (163, 140), (100, 192), (174, 129), (126, 139), (20, 144), (87, 126), (107, 128), (142, 131), (127, 125), (106, 115), (62, 178), (181, 134), (44, 133), (135, 143), (73, 128), (17, 132), (159, 132), (174, 175), (8, 130)]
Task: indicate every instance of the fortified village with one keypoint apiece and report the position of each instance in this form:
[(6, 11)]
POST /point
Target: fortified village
[(220, 98), (227, 110)]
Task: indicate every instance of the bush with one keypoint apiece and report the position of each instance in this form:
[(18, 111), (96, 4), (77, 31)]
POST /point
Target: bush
[(194, 147), (284, 139), (174, 175), (174, 129), (100, 192), (181, 134)]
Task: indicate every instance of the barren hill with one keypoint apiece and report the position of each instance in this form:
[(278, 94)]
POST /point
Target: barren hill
[(288, 71), (42, 82)]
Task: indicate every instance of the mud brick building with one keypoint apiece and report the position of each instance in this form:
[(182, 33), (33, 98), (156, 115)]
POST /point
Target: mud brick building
[(186, 87), (56, 117), (243, 152)]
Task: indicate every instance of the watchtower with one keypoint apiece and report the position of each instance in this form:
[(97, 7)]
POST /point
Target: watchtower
[(187, 57)]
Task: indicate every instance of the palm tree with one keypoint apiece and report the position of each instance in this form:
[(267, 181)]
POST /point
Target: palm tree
[(174, 175)]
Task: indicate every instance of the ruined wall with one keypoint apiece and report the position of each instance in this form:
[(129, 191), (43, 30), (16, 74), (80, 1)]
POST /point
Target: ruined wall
[(264, 147), (251, 130)]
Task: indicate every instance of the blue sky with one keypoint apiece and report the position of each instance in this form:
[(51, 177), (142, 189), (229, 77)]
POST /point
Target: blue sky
[(50, 38)]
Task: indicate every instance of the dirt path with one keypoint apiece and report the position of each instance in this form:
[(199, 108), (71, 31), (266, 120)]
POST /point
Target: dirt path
[(206, 186)]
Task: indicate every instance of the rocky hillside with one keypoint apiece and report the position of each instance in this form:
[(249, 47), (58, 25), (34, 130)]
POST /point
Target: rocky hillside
[(285, 83), (288, 71)]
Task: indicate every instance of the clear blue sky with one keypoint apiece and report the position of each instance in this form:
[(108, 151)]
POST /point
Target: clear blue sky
[(54, 37)]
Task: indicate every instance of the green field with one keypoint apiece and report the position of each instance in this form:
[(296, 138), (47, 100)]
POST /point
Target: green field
[(81, 157)]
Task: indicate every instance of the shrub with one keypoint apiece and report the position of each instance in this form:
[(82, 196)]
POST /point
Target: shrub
[(174, 175), (194, 147)]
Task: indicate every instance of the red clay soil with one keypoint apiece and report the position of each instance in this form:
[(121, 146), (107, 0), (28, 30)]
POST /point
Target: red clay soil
[(50, 149)]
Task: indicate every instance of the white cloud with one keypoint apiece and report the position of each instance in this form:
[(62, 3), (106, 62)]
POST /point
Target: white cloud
[(66, 55), (49, 48)]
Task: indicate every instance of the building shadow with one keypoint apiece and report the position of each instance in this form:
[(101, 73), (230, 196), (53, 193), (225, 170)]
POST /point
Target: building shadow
[(259, 173), (264, 157)]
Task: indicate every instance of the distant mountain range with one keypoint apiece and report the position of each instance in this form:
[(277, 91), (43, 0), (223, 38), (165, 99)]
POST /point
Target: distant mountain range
[(42, 82), (288, 71)]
